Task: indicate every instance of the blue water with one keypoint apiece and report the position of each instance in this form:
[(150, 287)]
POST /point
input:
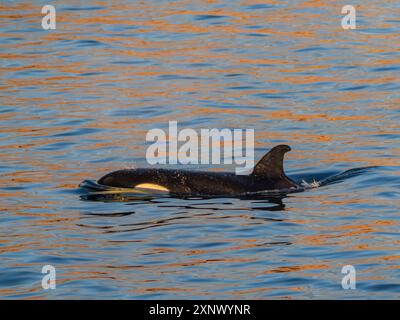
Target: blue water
[(77, 102)]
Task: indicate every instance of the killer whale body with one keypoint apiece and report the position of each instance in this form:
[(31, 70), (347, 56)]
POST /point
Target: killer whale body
[(268, 174)]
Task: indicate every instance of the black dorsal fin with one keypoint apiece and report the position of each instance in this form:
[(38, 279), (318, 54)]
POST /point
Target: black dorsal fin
[(271, 165)]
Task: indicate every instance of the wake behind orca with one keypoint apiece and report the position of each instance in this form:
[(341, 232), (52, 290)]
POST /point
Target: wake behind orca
[(268, 174)]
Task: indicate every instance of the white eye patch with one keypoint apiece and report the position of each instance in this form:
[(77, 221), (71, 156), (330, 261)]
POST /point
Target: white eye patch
[(151, 186)]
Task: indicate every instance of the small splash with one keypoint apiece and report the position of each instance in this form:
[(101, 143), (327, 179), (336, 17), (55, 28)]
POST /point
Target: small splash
[(313, 184)]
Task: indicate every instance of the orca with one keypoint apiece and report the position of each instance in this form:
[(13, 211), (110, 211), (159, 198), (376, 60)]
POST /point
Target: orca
[(268, 174)]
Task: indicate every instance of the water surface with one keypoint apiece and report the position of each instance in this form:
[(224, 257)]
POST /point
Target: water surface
[(77, 102)]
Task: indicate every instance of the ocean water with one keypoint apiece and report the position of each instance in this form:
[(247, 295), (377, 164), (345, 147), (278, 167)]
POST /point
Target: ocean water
[(77, 102)]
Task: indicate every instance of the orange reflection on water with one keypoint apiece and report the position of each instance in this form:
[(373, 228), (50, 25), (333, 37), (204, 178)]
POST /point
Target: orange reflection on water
[(150, 63)]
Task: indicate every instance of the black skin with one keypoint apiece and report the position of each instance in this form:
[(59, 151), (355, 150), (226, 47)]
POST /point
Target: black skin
[(268, 174)]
